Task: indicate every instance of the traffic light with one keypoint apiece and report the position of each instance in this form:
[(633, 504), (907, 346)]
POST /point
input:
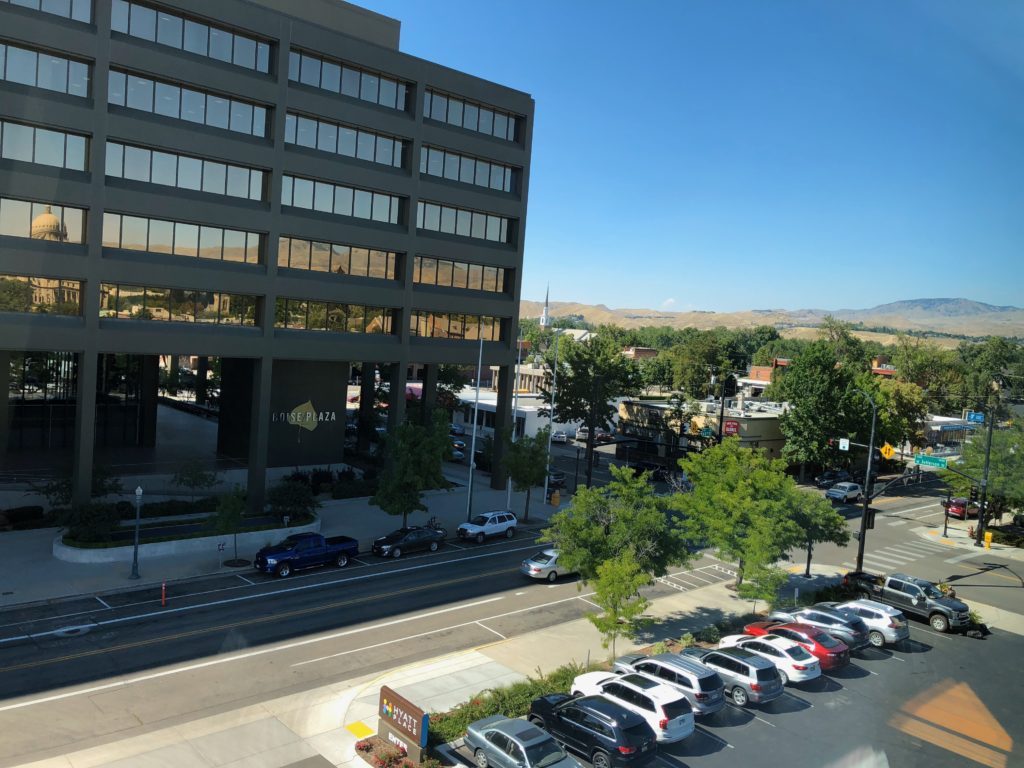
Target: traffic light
[(974, 493), (869, 519)]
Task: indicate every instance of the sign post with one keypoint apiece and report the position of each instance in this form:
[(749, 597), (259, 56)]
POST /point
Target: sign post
[(402, 723)]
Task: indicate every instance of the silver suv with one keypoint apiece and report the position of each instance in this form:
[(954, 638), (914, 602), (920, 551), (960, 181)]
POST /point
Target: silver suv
[(749, 678), (498, 523), (885, 624), (841, 625), (701, 685)]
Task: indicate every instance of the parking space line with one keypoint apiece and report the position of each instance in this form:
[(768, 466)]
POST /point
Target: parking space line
[(247, 581), (590, 602), (453, 544), (104, 604), (713, 737), (694, 575), (484, 626), (689, 584), (361, 562), (744, 709), (797, 698)]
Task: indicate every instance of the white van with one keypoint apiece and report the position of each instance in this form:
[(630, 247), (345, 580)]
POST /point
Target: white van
[(582, 434)]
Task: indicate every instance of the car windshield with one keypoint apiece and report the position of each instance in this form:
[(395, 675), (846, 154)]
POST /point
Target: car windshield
[(827, 641), (797, 653), (930, 590), (480, 520), (544, 753), (542, 558)]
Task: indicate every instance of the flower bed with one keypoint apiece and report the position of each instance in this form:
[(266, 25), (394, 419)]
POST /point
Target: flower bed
[(380, 753)]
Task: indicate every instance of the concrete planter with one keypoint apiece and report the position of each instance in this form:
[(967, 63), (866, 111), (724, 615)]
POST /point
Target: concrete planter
[(247, 542)]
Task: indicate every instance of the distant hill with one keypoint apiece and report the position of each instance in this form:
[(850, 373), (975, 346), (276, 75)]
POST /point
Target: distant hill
[(954, 316)]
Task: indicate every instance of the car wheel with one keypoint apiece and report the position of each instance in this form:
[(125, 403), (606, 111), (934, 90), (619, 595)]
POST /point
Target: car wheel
[(510, 532), (739, 696), (342, 560), (480, 758), (479, 538), (552, 576), (939, 622), (284, 570), (864, 595), (876, 638), (433, 546), (783, 677), (600, 760), (396, 553)]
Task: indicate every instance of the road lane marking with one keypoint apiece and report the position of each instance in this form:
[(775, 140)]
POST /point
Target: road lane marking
[(102, 602), (484, 626), (965, 556), (238, 657), (897, 522)]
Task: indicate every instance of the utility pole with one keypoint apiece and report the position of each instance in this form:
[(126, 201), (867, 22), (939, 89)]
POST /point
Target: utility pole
[(979, 534), (867, 483), (551, 415)]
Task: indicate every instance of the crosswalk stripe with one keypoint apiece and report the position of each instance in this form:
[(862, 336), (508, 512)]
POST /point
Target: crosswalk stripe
[(895, 555), (915, 552), (924, 546), (884, 562), (897, 522)]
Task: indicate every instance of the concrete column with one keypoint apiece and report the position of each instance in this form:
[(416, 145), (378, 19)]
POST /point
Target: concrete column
[(149, 389), (367, 396), (396, 395), (85, 428), (503, 423), (5, 399), (429, 401), (259, 431)]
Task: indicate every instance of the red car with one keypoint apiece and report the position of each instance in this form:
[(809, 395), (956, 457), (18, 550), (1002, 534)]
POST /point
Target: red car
[(830, 653), (960, 507)]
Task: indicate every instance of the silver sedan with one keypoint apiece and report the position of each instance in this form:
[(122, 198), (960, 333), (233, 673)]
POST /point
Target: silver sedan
[(543, 565)]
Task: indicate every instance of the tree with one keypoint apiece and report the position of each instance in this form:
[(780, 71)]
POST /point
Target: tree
[(451, 380), (763, 582), (227, 518), (901, 412), (193, 476), (601, 523), (413, 456), (1006, 468), (293, 500), (742, 504), (820, 523), (694, 360), (656, 372), (848, 350), (816, 389), (617, 592), (591, 375), (15, 295), (526, 461)]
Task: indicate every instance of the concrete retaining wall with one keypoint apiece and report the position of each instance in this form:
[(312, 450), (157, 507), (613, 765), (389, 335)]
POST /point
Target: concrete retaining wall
[(247, 542)]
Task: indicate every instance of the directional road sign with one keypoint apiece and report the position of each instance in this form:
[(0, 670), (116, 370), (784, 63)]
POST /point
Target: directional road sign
[(706, 432), (976, 417), (887, 451), (929, 461)]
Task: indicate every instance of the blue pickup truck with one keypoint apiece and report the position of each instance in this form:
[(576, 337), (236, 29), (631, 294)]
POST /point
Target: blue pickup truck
[(305, 550)]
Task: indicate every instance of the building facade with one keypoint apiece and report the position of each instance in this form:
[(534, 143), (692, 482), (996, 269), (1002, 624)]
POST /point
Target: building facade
[(276, 192)]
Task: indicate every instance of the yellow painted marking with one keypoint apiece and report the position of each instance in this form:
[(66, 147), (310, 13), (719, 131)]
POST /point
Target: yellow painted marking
[(948, 741), (958, 706), (359, 729)]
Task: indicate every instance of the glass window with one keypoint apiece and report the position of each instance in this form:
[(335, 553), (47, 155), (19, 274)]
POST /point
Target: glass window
[(330, 77), (451, 166), (299, 254), (486, 121), (169, 30), (15, 217), (74, 223), (381, 207), (165, 169), (286, 190), (462, 223), (78, 79), (168, 100), (186, 239), (255, 185), (365, 147), (483, 173), (211, 242), (161, 236), (156, 303), (303, 195), (402, 100), (343, 200), (500, 125), (136, 163), (323, 197), (467, 167), (479, 227), (340, 255), (259, 121), (306, 132), (310, 73), (327, 137), (471, 117), (388, 92), (347, 142), (263, 57), (438, 107), (385, 150), (349, 82), (497, 177), (214, 177), (111, 230), (53, 73), (116, 88), (21, 66), (320, 258), (493, 228), (294, 64), (241, 117), (444, 272), (134, 232), (474, 277), (217, 111), (193, 106), (448, 220), (252, 247), (17, 142), (196, 37), (369, 89), (432, 217), (76, 152), (140, 93), (362, 204), (238, 181), (244, 54), (119, 16), (360, 262), (455, 109), (220, 44), (143, 22), (290, 122), (435, 162), (234, 246), (190, 173), (460, 274), (493, 279)]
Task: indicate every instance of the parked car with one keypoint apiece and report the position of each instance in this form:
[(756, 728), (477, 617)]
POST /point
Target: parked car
[(748, 677), (458, 445), (456, 430), (543, 565), (885, 623), (305, 550), (604, 732), (830, 477), (411, 539), (502, 742), (664, 708), (603, 438), (960, 508), (456, 455), (844, 492), (582, 434), (913, 596), (556, 478), (843, 626), (795, 664), (500, 522), (559, 437), (831, 653), (701, 685)]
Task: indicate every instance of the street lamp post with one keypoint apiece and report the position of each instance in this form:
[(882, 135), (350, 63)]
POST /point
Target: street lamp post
[(551, 416), (867, 483), (138, 514), (472, 443), (979, 534)]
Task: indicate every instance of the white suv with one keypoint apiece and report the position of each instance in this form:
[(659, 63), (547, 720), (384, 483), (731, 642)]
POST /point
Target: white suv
[(498, 523), (664, 708), (794, 663)]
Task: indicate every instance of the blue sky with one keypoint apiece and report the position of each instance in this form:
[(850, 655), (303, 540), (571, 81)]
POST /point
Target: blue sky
[(750, 154)]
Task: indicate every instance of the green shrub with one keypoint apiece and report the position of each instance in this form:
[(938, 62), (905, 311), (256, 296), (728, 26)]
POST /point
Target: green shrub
[(1007, 537), (710, 634), (687, 640), (291, 499), (91, 523), (659, 647), (23, 518)]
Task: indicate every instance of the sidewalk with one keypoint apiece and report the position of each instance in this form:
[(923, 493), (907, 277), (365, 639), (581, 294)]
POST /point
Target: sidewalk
[(32, 574), (318, 728), (956, 536)]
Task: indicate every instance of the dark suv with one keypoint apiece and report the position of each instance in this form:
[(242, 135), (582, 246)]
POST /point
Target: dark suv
[(605, 733)]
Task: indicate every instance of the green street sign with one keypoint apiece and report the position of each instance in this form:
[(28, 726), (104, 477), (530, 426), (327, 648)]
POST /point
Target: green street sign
[(706, 432), (930, 461)]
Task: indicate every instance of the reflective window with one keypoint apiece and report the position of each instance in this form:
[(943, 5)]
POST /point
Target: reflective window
[(344, 140), (340, 200), (428, 270), (77, 10), (41, 221), (174, 170), (135, 233), (297, 253), (458, 167), (134, 302), (43, 146), (305, 315), (445, 218), (197, 37), (476, 117), (442, 325), (186, 104), (40, 295), (318, 72), (43, 70)]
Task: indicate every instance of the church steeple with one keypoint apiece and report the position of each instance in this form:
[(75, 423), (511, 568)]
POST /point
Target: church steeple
[(545, 318)]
